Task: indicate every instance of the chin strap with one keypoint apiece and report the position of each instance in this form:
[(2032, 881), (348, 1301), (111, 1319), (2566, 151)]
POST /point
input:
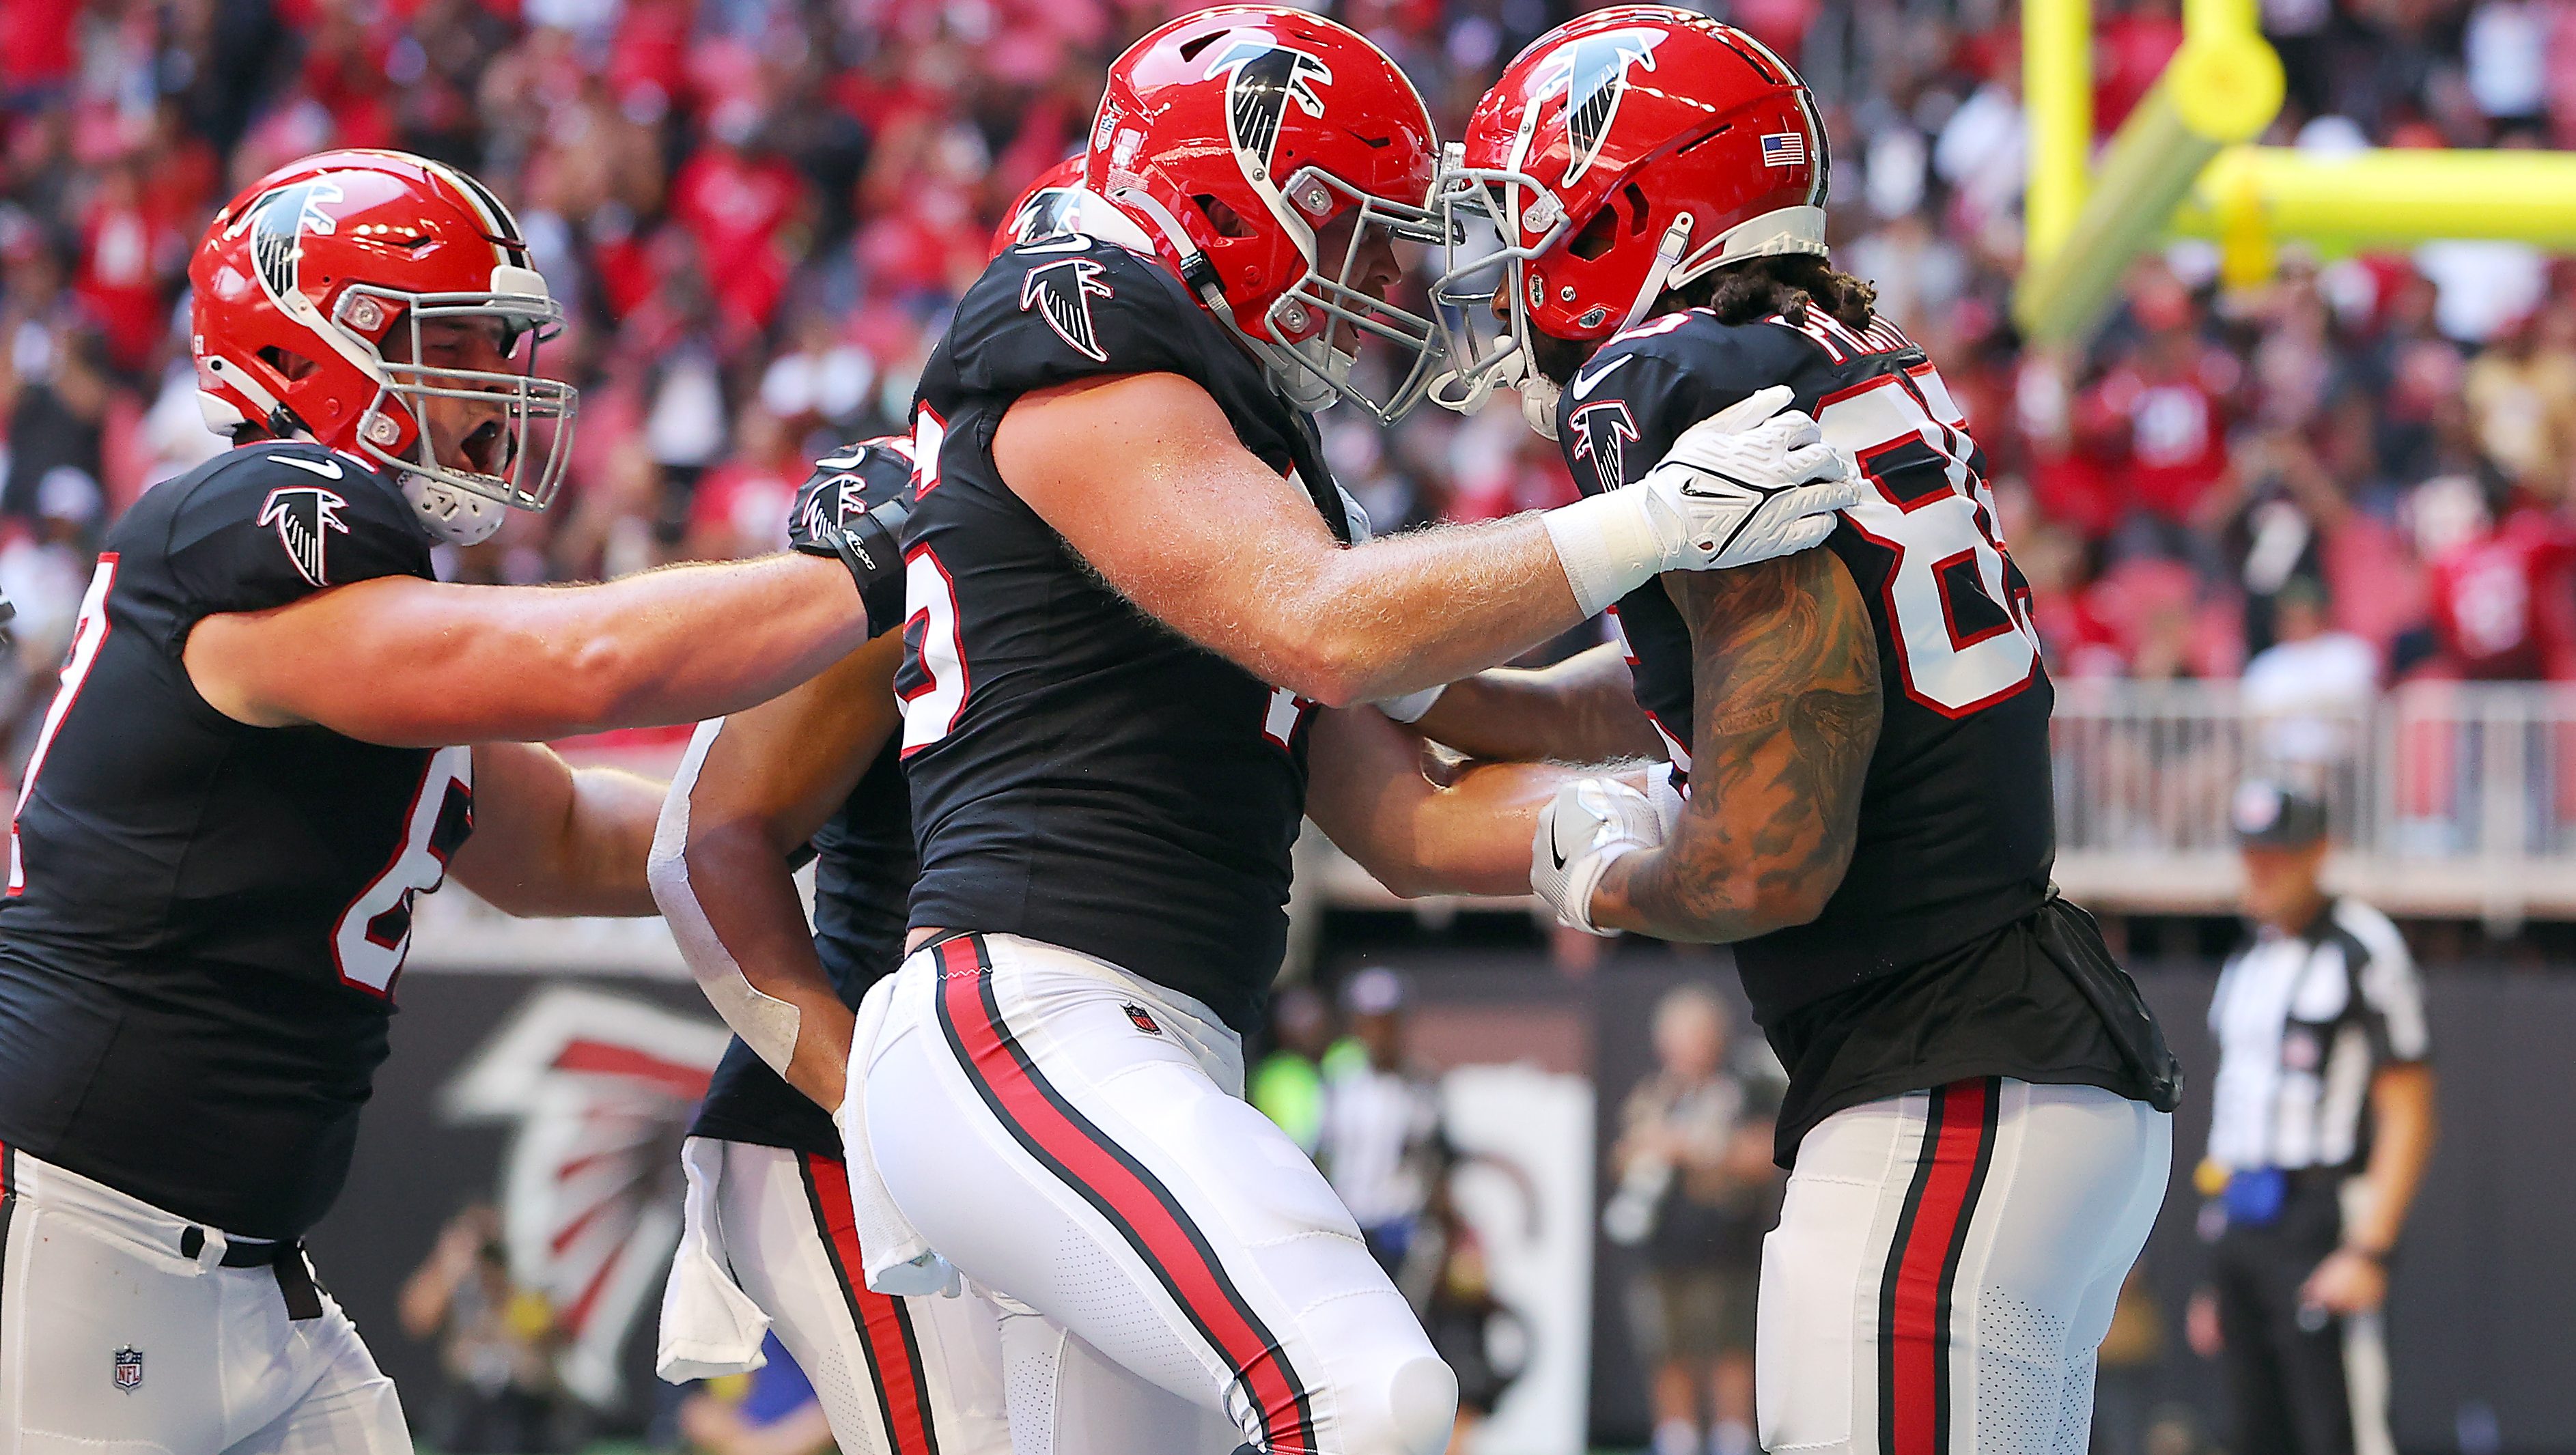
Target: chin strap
[(1676, 242)]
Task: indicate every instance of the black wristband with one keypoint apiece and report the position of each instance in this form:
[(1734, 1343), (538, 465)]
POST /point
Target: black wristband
[(872, 548)]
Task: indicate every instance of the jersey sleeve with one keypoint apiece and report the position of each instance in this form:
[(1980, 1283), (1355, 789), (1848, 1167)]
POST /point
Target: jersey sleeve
[(283, 522), (831, 520), (2392, 993), (1623, 409), (1069, 308)]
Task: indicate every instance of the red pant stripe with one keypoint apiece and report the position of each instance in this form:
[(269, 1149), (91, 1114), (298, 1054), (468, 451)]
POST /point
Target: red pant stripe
[(884, 1324), (1923, 1266), (1130, 1197)]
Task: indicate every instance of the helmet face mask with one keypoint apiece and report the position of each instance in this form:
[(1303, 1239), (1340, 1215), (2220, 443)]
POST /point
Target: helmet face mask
[(417, 395), (1319, 324)]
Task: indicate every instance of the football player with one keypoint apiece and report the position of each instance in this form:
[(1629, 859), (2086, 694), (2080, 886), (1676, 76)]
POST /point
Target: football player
[(1131, 580), (1978, 1113), (275, 731)]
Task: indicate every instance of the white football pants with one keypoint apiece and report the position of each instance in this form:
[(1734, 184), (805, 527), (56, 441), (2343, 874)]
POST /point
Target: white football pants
[(897, 1376), (1945, 1268), (1074, 1139), (110, 1340)]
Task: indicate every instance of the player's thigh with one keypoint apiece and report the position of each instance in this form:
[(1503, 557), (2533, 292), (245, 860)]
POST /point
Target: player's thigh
[(348, 1407), (72, 1300), (899, 1375), (1815, 1343), (1114, 1187)]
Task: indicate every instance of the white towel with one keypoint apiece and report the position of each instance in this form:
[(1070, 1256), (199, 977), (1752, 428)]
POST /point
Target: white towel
[(709, 1326), (897, 1260)]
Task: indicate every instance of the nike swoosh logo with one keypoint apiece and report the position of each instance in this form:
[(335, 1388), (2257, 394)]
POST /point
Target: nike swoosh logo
[(1072, 242), (1583, 383), (1553, 851), (327, 469)]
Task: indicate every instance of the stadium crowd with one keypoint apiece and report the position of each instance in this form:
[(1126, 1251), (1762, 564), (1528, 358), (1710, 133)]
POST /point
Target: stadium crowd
[(760, 211)]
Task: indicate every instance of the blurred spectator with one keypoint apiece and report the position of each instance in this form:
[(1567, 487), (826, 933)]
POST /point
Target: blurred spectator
[(2308, 691), (1379, 1143), (770, 1411), (1288, 1084), (2504, 600), (1696, 1192), (495, 1343)]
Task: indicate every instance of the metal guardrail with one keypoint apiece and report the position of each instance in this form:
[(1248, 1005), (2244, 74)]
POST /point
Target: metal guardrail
[(2447, 799)]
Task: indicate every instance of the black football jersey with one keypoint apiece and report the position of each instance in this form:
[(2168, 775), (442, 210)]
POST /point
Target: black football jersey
[(863, 855), (204, 920), (1080, 773), (1956, 831)]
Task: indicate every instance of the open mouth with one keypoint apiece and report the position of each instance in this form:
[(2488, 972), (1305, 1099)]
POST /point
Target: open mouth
[(486, 449)]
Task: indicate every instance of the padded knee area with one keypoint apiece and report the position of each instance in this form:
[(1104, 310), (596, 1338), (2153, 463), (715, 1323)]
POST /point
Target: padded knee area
[(1421, 1405)]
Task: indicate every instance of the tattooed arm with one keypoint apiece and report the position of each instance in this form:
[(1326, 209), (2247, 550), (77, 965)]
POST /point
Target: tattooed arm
[(1582, 710), (1785, 716)]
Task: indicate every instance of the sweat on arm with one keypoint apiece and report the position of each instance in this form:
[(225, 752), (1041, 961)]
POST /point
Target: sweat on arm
[(1786, 707)]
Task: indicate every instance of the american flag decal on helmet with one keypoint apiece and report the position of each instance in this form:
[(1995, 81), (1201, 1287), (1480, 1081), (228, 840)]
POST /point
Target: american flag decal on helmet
[(1784, 149)]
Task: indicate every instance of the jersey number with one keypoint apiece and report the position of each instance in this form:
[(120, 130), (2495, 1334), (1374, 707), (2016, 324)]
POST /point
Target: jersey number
[(373, 934), (1955, 605), (89, 633), (931, 640)]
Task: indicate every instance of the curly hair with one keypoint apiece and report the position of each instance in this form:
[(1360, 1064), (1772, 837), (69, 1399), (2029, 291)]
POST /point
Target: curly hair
[(1786, 284)]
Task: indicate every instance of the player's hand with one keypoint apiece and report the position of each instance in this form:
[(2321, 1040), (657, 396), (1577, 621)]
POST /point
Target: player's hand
[(1591, 824), (2347, 1282), (1752, 482)]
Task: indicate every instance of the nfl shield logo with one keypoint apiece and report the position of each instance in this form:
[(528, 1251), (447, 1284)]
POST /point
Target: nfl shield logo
[(1143, 1021), (129, 1369)]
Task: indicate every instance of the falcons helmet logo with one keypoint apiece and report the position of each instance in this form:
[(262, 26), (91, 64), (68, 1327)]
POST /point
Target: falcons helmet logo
[(600, 1088), (1265, 77), (1601, 434), (305, 515), (1061, 293), (277, 224), (1595, 74), (1045, 213)]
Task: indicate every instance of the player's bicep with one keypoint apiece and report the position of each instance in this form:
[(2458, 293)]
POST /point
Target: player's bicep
[(550, 839), (1786, 713), (1145, 478), (785, 765)]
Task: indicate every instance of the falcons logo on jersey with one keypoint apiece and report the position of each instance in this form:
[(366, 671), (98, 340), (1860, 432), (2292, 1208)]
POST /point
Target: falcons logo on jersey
[(599, 1089), (1265, 78), (1601, 434), (1594, 70), (305, 515), (1061, 293)]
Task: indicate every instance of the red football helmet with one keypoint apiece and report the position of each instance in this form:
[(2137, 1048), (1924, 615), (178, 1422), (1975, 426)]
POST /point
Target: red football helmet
[(303, 278), (1623, 153), (1232, 137), (1046, 208)]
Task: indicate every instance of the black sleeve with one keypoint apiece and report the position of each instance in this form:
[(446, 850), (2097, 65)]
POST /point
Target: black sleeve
[(1073, 307), (1624, 408), (279, 523), (852, 509)]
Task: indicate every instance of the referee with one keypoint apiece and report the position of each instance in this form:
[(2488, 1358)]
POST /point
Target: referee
[(2322, 1122)]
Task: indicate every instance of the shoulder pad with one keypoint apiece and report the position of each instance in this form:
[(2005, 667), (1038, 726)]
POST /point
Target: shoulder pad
[(1623, 409), (271, 522), (1072, 307), (847, 484)]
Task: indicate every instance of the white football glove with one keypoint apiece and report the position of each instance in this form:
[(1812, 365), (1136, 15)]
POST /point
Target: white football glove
[(1591, 824), (1752, 482)]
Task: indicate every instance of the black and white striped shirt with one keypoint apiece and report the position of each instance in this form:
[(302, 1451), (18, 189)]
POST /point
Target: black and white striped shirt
[(2303, 1023)]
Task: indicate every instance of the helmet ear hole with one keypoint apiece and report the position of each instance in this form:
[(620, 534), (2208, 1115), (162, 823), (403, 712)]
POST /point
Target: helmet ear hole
[(1596, 237), (1226, 221), (1636, 198), (290, 365)]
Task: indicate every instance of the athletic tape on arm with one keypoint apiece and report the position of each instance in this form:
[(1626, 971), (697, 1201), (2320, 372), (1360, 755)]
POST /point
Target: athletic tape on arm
[(765, 1023)]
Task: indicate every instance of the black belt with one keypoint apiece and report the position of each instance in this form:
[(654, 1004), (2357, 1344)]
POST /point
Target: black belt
[(285, 1259)]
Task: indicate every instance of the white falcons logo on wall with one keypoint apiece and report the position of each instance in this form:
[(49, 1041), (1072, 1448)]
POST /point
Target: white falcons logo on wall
[(1061, 293), (1594, 70), (1266, 77), (305, 515), (601, 1088)]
